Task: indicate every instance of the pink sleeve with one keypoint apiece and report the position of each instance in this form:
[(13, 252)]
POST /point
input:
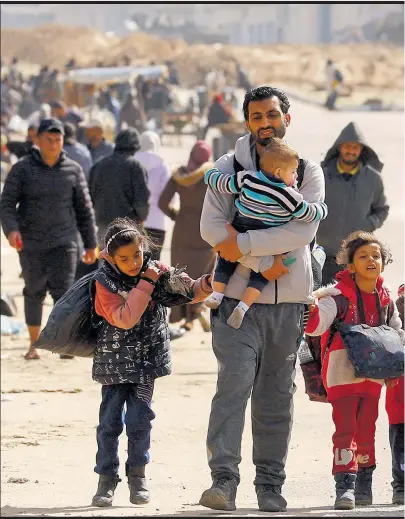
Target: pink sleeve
[(120, 312)]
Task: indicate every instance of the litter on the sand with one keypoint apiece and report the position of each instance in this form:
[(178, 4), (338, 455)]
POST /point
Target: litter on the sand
[(11, 326)]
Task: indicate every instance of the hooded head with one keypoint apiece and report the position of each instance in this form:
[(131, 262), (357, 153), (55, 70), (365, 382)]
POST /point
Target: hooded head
[(150, 141), (200, 153), (127, 140), (352, 133)]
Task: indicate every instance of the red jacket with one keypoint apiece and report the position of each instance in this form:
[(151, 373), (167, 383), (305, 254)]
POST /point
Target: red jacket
[(337, 370), (394, 400)]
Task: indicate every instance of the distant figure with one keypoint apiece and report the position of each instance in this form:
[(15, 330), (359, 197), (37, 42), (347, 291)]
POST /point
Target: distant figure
[(132, 114), (242, 78), (98, 146), (218, 113), (77, 151), (334, 78)]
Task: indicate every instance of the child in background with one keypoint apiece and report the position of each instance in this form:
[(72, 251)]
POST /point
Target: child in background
[(354, 400), (133, 349), (266, 198), (394, 404)]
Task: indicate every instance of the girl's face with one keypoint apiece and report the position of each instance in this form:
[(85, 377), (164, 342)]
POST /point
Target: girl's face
[(367, 262), (129, 259)]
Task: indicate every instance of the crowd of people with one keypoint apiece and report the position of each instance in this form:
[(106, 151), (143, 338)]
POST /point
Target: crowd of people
[(75, 203)]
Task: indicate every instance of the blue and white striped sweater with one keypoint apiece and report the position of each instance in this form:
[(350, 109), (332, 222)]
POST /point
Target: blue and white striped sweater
[(263, 199)]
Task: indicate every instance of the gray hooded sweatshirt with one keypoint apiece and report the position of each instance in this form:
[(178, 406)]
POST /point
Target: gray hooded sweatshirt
[(260, 246), (358, 203)]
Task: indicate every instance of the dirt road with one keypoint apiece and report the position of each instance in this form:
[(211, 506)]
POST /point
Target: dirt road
[(48, 426)]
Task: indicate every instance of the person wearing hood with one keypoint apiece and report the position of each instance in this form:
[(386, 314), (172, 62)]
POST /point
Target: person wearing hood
[(118, 184), (45, 202), (354, 194), (188, 249), (132, 114)]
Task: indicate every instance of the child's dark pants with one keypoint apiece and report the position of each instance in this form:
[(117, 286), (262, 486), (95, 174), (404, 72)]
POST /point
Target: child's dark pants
[(138, 417), (225, 269)]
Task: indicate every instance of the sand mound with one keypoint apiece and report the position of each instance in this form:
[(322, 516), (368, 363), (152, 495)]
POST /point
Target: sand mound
[(363, 65), (54, 45)]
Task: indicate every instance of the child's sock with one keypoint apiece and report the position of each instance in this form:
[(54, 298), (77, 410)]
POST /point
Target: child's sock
[(214, 300), (236, 317)]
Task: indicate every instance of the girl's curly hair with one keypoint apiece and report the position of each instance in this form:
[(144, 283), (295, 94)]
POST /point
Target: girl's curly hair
[(356, 240)]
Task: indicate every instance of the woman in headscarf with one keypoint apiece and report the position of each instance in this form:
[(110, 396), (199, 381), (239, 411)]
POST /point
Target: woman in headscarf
[(188, 249), (158, 176)]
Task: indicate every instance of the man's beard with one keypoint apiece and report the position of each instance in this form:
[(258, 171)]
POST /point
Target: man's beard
[(277, 132), (349, 162)]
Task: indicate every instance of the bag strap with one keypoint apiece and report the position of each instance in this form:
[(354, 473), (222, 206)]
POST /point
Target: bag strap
[(302, 164), (237, 166), (334, 328), (361, 307)]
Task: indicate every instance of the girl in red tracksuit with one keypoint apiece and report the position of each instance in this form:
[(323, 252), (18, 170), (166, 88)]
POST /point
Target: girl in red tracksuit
[(354, 400), (394, 404)]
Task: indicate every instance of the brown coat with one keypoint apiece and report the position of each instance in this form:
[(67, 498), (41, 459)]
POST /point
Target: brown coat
[(188, 249)]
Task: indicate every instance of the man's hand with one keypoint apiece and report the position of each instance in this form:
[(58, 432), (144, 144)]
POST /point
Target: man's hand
[(277, 270), (90, 256), (228, 249), (15, 240)]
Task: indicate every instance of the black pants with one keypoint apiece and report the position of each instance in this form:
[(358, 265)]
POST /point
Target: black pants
[(50, 270), (158, 238), (138, 417), (225, 269), (396, 433)]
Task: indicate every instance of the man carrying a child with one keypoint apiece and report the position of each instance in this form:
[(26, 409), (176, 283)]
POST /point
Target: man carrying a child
[(258, 359)]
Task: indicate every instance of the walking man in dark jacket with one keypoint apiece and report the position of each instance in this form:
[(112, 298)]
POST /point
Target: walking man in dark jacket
[(118, 184), (53, 204), (354, 194)]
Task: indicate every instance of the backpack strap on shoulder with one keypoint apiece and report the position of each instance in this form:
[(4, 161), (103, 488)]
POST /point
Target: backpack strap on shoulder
[(237, 166), (302, 164)]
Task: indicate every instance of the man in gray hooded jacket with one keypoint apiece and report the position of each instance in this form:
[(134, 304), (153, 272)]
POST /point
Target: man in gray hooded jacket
[(258, 359), (354, 194)]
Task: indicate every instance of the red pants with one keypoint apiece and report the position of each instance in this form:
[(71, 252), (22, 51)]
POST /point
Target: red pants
[(354, 438)]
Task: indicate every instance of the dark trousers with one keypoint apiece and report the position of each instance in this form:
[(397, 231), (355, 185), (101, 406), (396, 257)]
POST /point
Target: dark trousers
[(50, 270), (396, 433), (225, 269), (158, 238), (138, 417)]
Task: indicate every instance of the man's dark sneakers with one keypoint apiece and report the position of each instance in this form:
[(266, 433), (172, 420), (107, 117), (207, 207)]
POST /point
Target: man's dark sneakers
[(363, 491), (345, 485), (138, 491), (269, 498), (222, 494), (105, 490)]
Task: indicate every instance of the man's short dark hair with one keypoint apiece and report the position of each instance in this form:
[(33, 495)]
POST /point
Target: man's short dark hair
[(265, 92)]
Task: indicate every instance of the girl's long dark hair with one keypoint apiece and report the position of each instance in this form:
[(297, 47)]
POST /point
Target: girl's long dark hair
[(124, 231), (356, 240)]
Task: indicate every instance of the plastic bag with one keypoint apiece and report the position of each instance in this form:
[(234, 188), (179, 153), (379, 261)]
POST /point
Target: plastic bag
[(71, 327), (172, 289), (11, 326)]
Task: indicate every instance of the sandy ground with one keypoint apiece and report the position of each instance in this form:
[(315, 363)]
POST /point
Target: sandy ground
[(48, 427)]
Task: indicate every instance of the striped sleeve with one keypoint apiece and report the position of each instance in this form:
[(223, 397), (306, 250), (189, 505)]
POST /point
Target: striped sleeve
[(222, 182), (310, 212)]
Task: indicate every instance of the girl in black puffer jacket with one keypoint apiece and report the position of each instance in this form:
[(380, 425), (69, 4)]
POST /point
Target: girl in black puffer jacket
[(133, 348)]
